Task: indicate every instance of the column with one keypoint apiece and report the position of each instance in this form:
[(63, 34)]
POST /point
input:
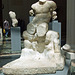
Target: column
[(71, 23)]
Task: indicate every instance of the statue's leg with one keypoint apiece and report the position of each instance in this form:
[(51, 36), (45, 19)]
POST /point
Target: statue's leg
[(42, 29), (31, 28)]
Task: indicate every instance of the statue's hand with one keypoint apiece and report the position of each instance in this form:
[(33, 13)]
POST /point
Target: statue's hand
[(54, 15), (31, 12)]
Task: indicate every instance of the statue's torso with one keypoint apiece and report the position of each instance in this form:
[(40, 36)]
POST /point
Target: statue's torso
[(45, 8)]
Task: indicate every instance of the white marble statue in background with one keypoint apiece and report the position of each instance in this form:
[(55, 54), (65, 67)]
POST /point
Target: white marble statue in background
[(13, 18), (42, 49)]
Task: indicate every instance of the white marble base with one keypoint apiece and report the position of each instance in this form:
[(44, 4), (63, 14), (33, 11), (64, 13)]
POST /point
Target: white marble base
[(33, 62)]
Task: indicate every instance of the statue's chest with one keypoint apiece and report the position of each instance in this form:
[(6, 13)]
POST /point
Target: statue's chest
[(41, 8)]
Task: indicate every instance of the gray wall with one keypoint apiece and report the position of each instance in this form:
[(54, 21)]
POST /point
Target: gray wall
[(20, 7), (71, 23)]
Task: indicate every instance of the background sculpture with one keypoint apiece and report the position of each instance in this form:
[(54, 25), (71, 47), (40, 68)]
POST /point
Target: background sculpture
[(13, 18)]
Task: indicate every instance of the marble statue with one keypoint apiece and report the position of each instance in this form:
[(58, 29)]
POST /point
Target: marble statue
[(13, 18), (37, 29), (43, 11), (42, 49)]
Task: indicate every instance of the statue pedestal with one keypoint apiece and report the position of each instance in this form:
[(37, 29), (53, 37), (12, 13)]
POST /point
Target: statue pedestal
[(33, 62), (15, 40), (56, 26)]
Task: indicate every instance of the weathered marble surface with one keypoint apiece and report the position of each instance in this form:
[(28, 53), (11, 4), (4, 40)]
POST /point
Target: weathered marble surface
[(32, 62), (42, 46)]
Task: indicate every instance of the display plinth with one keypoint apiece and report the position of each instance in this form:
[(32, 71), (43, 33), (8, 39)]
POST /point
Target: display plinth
[(56, 26), (15, 40)]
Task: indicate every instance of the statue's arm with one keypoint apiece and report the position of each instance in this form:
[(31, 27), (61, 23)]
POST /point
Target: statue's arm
[(54, 15), (53, 7), (31, 12)]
